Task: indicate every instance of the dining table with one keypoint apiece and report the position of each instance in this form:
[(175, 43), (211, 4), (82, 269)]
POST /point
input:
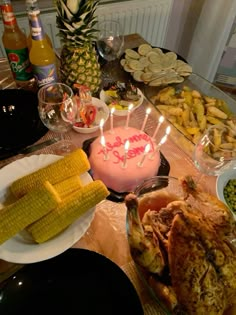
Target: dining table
[(107, 234)]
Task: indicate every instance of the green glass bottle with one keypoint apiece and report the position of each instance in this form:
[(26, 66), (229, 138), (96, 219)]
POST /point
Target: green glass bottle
[(15, 44)]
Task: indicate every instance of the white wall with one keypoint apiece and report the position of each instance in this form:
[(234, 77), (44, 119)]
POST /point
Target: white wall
[(210, 36), (182, 23), (198, 30)]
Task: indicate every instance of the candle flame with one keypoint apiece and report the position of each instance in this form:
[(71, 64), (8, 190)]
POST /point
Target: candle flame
[(148, 111), (163, 139), (127, 146), (161, 119), (112, 110), (130, 107), (168, 129), (147, 148), (101, 123), (103, 141)]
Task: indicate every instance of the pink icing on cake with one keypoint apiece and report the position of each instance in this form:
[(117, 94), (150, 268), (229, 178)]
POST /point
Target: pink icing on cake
[(112, 171)]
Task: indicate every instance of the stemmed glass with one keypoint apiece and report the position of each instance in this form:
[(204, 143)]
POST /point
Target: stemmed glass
[(58, 111), (216, 150), (110, 43)]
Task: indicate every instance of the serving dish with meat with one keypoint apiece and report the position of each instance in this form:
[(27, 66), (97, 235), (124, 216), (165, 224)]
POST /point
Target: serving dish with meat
[(183, 247)]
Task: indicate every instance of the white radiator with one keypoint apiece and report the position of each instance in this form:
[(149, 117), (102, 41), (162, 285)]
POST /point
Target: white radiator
[(149, 18)]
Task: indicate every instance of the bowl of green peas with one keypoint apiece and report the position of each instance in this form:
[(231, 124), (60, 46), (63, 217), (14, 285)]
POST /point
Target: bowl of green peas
[(226, 188)]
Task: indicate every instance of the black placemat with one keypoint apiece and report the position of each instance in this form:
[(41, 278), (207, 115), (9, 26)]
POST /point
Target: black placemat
[(20, 125), (78, 281)]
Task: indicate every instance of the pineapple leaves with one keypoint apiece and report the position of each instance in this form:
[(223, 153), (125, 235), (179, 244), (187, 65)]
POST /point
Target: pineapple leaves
[(66, 10), (69, 27), (73, 5), (76, 19)]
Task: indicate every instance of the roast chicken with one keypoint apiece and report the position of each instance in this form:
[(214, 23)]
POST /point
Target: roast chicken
[(186, 249)]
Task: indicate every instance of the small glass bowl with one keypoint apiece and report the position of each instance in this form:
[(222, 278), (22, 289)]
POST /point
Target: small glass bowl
[(156, 192)]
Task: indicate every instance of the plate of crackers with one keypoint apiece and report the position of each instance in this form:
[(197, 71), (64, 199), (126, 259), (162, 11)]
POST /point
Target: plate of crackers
[(155, 66)]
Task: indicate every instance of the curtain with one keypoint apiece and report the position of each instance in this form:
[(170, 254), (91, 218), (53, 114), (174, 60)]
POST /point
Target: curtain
[(210, 36)]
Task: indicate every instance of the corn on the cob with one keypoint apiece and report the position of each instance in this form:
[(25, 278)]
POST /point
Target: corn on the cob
[(34, 205), (68, 211), (73, 164), (68, 186)]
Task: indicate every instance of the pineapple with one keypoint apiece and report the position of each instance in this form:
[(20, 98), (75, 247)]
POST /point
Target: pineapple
[(79, 63)]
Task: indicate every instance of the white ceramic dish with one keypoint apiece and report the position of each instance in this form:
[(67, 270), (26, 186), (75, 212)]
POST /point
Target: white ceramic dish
[(102, 112), (121, 112), (21, 248), (221, 182)]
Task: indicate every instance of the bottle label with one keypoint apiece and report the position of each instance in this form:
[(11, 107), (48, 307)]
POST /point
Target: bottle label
[(45, 74), (8, 15), (37, 32), (19, 63)]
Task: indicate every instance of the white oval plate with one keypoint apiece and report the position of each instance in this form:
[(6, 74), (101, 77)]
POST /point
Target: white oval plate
[(120, 112), (221, 181), (103, 112), (24, 250)]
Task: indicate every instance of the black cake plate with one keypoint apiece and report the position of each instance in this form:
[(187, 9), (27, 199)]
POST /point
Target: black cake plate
[(163, 170)]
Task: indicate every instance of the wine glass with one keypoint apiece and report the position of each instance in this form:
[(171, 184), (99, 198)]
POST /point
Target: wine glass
[(110, 39), (215, 151), (110, 43), (58, 111)]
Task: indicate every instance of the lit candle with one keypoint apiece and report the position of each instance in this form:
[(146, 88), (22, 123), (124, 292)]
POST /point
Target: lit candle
[(163, 140), (126, 152), (168, 129), (161, 119), (146, 150), (101, 126), (148, 111), (128, 115), (103, 143), (111, 119)]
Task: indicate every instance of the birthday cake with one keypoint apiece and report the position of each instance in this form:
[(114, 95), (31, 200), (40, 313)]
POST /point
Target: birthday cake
[(123, 167)]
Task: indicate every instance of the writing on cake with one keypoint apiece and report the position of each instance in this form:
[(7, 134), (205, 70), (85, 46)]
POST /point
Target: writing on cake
[(111, 169), (132, 152)]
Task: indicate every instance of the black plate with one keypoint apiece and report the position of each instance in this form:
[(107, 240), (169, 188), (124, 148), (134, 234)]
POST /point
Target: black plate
[(117, 72), (140, 85), (76, 282), (20, 124), (163, 170)]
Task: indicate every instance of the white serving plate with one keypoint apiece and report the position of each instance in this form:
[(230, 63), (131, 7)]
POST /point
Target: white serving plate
[(21, 248), (221, 182), (121, 112), (102, 112)]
